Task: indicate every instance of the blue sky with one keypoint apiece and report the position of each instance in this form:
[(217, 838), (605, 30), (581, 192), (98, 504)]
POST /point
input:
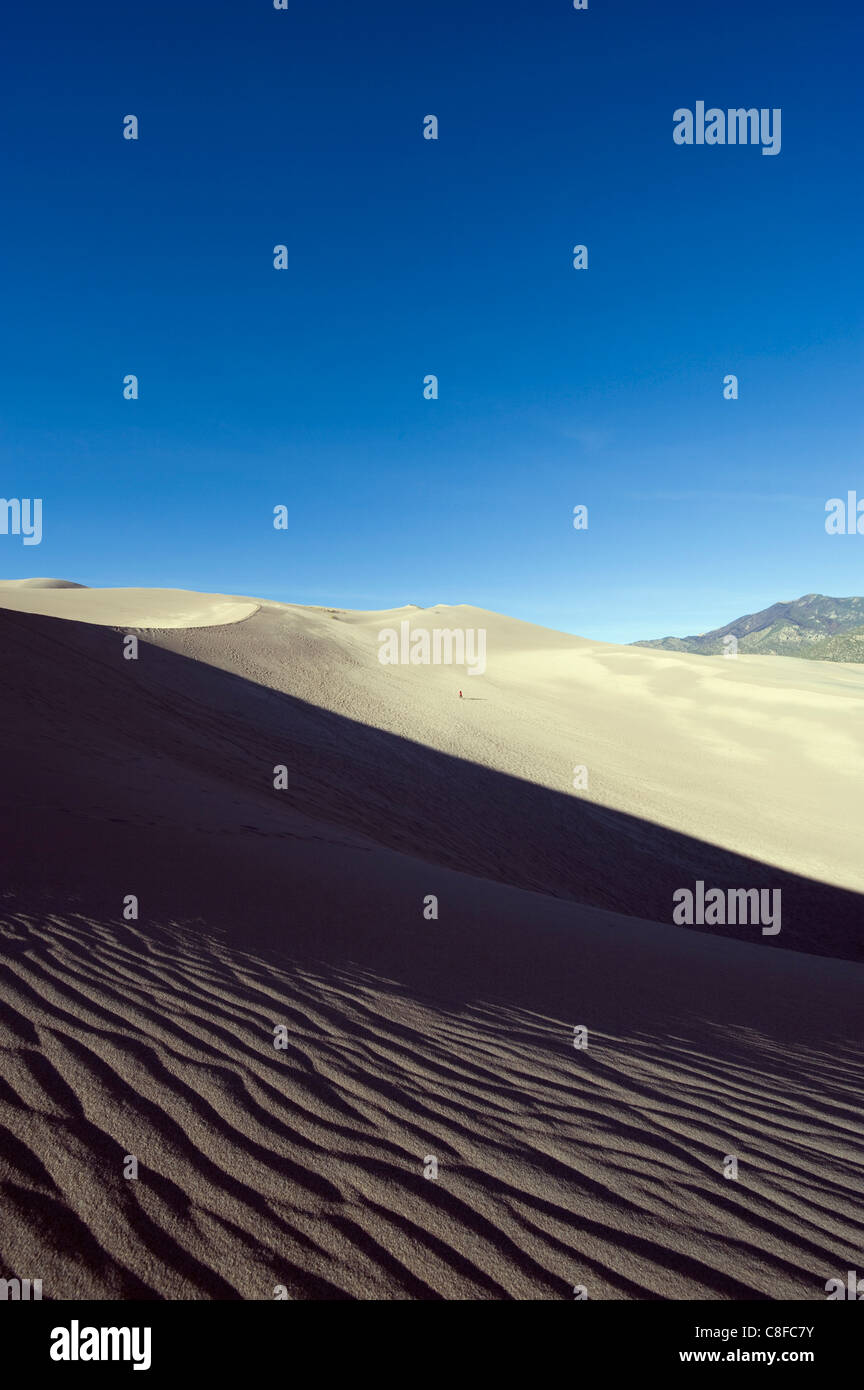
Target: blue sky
[(407, 257)]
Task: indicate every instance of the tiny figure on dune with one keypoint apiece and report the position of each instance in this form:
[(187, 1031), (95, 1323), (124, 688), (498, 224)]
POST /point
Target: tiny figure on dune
[(460, 694)]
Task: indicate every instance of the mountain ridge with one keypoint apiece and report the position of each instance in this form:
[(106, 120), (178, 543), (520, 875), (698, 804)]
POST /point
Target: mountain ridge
[(815, 626)]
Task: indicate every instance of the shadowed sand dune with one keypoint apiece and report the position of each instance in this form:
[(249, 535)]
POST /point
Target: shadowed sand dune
[(557, 1167), (408, 1038)]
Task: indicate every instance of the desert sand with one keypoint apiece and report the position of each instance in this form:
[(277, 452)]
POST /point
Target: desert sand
[(408, 1038), (133, 608)]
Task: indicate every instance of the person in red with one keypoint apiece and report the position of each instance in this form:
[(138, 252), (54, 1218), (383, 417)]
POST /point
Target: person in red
[(460, 694)]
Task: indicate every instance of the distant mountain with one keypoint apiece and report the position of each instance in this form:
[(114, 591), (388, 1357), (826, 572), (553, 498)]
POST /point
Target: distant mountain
[(815, 626)]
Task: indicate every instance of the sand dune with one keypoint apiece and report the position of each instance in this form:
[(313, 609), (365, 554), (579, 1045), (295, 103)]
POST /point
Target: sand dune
[(304, 1168), (759, 756), (130, 608), (407, 1037), (40, 584)]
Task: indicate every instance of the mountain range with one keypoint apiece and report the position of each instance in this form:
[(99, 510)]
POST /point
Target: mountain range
[(815, 626)]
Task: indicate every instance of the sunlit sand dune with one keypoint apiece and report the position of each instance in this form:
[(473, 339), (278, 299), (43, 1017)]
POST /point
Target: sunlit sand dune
[(138, 608)]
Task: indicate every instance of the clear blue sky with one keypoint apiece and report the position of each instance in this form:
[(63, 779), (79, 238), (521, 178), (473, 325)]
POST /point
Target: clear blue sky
[(453, 257)]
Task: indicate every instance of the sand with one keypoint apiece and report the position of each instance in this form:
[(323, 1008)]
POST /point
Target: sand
[(130, 608), (410, 1038)]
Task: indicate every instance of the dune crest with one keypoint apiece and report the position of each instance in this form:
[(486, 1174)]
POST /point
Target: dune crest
[(40, 584), (129, 608)]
